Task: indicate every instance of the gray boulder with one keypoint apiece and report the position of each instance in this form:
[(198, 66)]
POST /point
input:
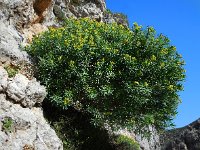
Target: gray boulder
[(17, 87), (25, 92)]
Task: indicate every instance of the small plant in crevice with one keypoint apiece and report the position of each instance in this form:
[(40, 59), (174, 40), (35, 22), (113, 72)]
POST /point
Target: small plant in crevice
[(7, 124), (23, 67), (12, 70)]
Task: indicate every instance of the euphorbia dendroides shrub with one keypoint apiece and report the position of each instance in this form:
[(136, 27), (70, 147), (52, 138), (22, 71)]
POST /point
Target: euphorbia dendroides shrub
[(124, 77)]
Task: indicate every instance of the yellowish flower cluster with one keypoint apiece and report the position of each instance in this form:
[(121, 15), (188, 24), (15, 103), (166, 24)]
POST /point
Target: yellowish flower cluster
[(153, 58), (66, 101), (164, 51), (129, 58)]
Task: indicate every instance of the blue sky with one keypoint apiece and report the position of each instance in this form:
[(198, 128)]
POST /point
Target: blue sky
[(179, 20)]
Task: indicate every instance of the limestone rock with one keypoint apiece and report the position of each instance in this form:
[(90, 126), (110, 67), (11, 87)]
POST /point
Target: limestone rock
[(186, 138), (18, 12), (29, 128), (23, 13), (10, 42), (17, 87), (22, 90), (149, 144), (25, 92), (22, 127), (3, 79), (35, 94)]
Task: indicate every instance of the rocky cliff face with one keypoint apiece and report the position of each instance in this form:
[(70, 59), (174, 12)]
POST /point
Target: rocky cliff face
[(186, 138), (22, 125)]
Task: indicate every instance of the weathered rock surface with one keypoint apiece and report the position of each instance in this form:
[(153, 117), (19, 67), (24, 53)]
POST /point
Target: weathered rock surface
[(22, 127), (80, 8), (22, 90), (24, 13), (149, 144), (16, 17), (27, 93), (17, 87), (17, 12), (186, 138), (10, 41), (3, 79), (28, 128)]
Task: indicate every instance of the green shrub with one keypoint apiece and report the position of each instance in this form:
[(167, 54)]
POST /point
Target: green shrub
[(121, 76), (126, 143)]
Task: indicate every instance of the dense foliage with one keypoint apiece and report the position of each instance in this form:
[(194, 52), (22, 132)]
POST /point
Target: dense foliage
[(125, 77)]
